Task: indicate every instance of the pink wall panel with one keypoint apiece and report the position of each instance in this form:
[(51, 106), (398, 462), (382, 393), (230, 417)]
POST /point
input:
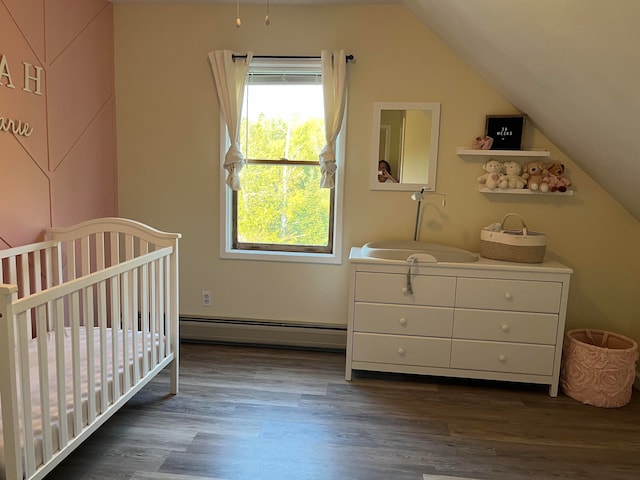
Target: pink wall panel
[(86, 178), (29, 14), (65, 21), (15, 103), (24, 209), (80, 82), (73, 117)]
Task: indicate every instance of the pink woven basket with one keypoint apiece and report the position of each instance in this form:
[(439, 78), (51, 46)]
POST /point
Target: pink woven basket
[(598, 367)]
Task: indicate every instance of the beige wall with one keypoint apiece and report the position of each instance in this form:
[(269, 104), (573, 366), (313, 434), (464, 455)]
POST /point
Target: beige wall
[(168, 150)]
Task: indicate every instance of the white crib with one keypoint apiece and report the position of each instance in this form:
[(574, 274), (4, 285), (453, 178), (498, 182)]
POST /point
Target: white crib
[(87, 318)]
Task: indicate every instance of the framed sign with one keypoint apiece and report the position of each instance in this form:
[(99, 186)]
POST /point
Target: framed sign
[(506, 131)]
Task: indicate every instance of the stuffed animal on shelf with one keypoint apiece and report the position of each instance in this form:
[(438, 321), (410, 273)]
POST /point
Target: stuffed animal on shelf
[(491, 177), (512, 177), (555, 177), (482, 143), (535, 175)]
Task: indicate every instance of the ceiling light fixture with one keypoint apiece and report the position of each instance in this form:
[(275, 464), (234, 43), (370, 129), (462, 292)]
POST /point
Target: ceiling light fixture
[(267, 20)]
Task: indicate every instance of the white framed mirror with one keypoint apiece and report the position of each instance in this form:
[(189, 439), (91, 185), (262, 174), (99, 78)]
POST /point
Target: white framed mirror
[(405, 146)]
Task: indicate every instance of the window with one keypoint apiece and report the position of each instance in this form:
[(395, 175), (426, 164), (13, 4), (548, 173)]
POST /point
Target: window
[(281, 208)]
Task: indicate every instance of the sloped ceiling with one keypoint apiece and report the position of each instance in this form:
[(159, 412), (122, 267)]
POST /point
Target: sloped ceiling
[(572, 66)]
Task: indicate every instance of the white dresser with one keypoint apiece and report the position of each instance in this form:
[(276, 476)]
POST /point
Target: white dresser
[(488, 319)]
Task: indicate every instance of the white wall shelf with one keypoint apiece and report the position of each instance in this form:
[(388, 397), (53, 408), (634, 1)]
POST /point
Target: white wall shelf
[(523, 191), (483, 154), (503, 155)]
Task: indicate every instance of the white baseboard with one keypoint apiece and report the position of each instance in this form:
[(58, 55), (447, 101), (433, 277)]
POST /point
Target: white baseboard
[(253, 332)]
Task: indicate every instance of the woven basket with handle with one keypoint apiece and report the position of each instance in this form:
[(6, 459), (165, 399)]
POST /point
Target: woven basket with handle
[(523, 246)]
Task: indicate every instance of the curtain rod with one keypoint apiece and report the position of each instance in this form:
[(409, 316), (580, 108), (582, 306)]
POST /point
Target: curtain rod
[(234, 56)]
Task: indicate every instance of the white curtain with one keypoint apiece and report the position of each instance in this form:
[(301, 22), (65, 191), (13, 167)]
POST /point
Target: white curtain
[(230, 77), (334, 72)]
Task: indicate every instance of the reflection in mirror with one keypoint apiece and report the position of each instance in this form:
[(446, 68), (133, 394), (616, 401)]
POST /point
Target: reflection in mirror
[(405, 146)]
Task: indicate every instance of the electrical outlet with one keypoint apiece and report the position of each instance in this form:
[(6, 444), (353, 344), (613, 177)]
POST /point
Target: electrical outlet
[(207, 299)]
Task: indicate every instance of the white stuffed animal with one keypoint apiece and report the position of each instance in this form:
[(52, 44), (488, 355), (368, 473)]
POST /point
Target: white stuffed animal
[(491, 179), (512, 177)]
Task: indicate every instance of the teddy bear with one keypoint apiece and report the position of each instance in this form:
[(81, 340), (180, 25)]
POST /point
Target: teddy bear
[(535, 175), (512, 177), (482, 143), (491, 178), (555, 177)]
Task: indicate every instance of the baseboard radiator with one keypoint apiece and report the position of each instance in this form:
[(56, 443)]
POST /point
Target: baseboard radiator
[(256, 332)]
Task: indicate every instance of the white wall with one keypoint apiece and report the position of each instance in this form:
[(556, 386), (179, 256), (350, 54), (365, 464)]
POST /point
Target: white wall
[(168, 147)]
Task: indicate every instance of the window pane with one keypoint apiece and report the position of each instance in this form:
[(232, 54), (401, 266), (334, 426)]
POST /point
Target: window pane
[(283, 121), (283, 204)]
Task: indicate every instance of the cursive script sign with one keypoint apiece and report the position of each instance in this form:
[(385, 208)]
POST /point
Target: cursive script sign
[(31, 83), (15, 126)]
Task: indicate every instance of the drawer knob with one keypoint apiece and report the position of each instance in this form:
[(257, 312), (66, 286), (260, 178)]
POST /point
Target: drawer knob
[(502, 358), (401, 351), (508, 296), (403, 322), (505, 328), (405, 291)]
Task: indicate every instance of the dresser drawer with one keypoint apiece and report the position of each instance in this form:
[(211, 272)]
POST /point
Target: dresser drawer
[(401, 350), (504, 326), (502, 357), (388, 288), (403, 320), (525, 296)]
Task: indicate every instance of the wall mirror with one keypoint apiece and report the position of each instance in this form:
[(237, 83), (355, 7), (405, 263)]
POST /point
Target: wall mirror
[(405, 136)]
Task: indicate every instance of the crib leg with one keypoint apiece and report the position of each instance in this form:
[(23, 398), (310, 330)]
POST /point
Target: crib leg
[(173, 385)]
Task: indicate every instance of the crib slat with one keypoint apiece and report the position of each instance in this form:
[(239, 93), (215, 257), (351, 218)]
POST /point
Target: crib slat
[(85, 255), (91, 357), (144, 300), (58, 321), (126, 312), (75, 363), (162, 310), (143, 247), (114, 246), (37, 271), (12, 272), (71, 260), (128, 247), (56, 268), (100, 252), (135, 330), (43, 362), (116, 327), (25, 288), (102, 323), (25, 386), (153, 319)]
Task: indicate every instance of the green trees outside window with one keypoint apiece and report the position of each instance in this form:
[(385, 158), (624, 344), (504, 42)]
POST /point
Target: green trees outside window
[(281, 205)]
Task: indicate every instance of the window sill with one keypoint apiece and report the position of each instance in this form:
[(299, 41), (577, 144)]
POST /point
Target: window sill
[(294, 257)]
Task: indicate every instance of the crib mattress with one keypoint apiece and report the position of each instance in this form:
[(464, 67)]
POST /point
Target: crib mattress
[(119, 335)]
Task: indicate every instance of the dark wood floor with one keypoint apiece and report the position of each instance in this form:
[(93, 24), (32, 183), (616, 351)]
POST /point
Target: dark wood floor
[(271, 414)]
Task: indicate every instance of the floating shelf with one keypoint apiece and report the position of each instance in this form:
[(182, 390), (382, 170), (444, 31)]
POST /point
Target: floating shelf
[(524, 191), (465, 152)]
